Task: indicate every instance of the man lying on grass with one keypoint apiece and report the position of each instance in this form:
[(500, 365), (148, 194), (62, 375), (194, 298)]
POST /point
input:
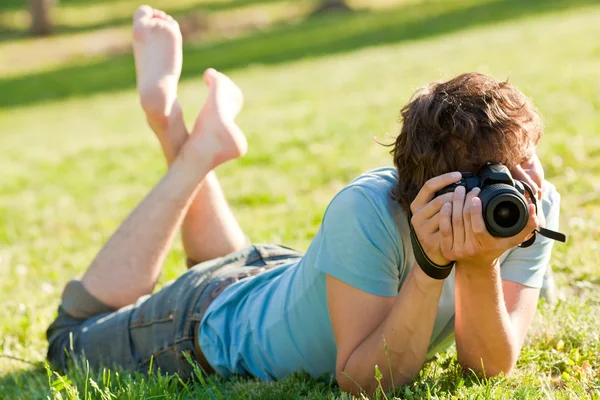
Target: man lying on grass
[(357, 298)]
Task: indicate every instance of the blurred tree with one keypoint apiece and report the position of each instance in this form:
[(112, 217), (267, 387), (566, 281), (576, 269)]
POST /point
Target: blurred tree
[(41, 22), (332, 5)]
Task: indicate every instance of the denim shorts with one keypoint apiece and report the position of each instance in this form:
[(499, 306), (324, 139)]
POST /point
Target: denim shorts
[(157, 329)]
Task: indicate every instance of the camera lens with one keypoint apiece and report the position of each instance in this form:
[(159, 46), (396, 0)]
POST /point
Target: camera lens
[(506, 214), (505, 210)]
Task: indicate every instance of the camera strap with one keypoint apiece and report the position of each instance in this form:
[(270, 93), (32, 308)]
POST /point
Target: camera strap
[(430, 268), (550, 234)]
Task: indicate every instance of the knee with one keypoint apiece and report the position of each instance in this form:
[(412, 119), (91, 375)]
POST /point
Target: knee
[(78, 303)]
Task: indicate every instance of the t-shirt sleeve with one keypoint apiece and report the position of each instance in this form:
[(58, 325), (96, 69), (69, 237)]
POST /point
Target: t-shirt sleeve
[(358, 244), (527, 266)]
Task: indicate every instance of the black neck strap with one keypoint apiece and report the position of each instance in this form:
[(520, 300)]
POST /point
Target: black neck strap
[(559, 237), (430, 268)]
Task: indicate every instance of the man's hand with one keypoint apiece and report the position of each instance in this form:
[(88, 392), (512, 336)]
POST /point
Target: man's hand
[(451, 227), (426, 215), (464, 236)]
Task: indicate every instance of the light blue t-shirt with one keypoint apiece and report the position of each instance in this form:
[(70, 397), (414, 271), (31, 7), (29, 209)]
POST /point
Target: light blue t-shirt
[(277, 323)]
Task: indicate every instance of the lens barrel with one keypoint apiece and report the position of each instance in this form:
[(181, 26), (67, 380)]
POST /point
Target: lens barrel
[(505, 210)]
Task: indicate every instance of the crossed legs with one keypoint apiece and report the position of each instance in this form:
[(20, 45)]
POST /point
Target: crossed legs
[(189, 196)]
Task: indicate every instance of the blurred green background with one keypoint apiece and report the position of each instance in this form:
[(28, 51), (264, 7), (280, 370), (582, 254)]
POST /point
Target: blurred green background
[(319, 86)]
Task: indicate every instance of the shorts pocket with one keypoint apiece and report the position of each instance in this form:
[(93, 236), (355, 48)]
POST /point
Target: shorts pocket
[(158, 307), (153, 327)]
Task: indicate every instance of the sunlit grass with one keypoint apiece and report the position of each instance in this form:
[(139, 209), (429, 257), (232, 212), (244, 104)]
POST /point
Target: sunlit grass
[(72, 170)]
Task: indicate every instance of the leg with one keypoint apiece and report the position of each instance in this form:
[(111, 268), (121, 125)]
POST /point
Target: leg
[(209, 229), (157, 327), (129, 264)]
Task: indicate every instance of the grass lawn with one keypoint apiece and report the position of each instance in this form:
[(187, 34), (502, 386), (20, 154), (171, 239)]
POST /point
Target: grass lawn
[(77, 157)]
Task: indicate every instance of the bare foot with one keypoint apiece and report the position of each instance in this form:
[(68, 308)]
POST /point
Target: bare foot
[(158, 56), (215, 126)]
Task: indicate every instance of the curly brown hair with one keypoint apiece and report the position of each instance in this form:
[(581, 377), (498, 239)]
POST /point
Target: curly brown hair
[(460, 125)]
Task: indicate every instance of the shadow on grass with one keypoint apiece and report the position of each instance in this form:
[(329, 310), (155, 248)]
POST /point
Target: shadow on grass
[(314, 37), (61, 29), (176, 13), (31, 383), (9, 33), (11, 5)]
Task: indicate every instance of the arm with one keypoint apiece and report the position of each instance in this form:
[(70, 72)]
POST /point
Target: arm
[(492, 319), (493, 315), (486, 338), (391, 331)]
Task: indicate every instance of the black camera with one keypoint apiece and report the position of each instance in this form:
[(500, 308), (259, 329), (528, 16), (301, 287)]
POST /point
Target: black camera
[(505, 208)]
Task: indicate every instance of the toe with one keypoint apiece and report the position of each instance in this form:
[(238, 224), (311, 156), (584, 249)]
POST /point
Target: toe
[(142, 13), (209, 76), (160, 14)]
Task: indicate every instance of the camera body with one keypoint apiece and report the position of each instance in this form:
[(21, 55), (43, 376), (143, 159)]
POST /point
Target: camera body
[(505, 208)]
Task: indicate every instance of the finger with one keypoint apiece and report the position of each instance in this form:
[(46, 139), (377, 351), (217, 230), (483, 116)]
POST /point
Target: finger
[(458, 226), (532, 224), (534, 220), (446, 230), (428, 190), (431, 225), (431, 209), (467, 213), (477, 223)]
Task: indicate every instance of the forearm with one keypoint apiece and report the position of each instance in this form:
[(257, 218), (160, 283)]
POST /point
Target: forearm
[(138, 248), (485, 338), (400, 343)]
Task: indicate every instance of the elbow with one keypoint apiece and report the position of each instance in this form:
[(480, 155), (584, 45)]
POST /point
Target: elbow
[(491, 367), (371, 388), (505, 363), (348, 385), (357, 385), (489, 361), (352, 386), (498, 369)]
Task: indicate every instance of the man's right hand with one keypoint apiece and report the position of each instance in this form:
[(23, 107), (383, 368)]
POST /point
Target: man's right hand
[(426, 210)]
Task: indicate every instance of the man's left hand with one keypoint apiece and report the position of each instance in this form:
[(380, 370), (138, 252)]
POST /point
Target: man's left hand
[(464, 236)]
